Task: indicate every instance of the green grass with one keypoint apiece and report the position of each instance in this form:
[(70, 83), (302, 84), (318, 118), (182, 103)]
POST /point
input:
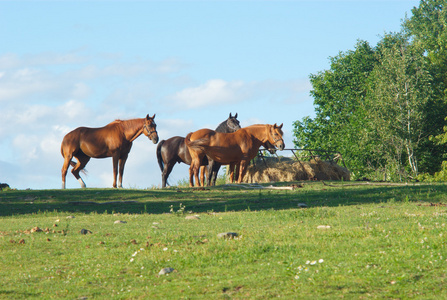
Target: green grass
[(385, 242)]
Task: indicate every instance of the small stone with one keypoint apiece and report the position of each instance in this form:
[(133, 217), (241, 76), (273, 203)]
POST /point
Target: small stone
[(165, 271), (323, 227), (192, 217), (302, 205), (70, 217), (36, 229), (85, 231), (120, 222), (227, 235)]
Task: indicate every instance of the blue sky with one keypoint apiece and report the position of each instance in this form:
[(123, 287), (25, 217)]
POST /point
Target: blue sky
[(66, 64)]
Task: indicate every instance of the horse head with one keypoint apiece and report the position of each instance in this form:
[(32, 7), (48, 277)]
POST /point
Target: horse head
[(233, 123), (275, 136), (269, 147), (150, 129)]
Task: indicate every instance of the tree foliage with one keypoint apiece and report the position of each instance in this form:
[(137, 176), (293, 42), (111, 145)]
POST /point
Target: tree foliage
[(380, 105)]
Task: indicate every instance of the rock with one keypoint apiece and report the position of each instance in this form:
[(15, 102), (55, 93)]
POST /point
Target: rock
[(85, 231), (70, 217), (192, 217), (302, 205), (120, 222), (227, 235), (165, 271), (323, 227), (36, 229)]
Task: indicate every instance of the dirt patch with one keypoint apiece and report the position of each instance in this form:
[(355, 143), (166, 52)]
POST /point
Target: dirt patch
[(287, 169)]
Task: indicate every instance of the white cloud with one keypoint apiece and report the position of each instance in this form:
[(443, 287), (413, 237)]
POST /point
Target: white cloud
[(212, 92)]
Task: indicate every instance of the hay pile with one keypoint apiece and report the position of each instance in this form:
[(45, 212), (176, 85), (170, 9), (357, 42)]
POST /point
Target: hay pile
[(290, 170)]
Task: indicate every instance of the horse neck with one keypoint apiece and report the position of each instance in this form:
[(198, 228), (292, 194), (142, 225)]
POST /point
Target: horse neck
[(259, 132), (132, 128), (223, 127)]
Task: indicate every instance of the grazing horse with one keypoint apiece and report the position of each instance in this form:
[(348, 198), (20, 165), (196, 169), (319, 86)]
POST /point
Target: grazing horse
[(231, 148), (174, 150), (113, 140)]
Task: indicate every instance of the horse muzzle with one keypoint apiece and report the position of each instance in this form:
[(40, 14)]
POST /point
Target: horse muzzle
[(280, 145), (153, 138)]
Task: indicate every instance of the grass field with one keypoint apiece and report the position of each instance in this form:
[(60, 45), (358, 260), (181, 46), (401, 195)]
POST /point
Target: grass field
[(353, 241)]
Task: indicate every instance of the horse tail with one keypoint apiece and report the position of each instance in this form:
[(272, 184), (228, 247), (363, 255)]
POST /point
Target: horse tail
[(199, 144), (159, 158)]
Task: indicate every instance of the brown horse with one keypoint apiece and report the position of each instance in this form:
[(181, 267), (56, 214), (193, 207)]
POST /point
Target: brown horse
[(113, 140), (174, 150), (234, 148)]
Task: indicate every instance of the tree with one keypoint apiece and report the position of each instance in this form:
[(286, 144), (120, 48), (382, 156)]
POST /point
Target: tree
[(380, 106), (400, 89), (338, 94), (427, 28)]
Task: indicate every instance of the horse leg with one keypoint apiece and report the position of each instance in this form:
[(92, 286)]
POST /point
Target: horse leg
[(209, 171), (237, 169), (121, 163), (115, 160), (202, 175), (194, 173), (191, 175), (82, 161), (215, 172), (196, 159), (65, 166), (243, 169), (231, 166), (165, 174)]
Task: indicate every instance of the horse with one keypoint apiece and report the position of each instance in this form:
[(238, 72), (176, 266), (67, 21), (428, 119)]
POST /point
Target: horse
[(234, 148), (174, 150), (113, 140)]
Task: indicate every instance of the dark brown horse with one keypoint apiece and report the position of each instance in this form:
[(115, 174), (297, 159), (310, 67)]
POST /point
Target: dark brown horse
[(113, 140), (174, 150), (231, 148)]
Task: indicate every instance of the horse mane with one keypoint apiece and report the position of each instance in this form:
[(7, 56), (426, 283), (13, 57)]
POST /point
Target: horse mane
[(223, 127), (131, 123)]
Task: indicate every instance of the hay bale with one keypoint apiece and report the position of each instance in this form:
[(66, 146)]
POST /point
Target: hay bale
[(287, 169)]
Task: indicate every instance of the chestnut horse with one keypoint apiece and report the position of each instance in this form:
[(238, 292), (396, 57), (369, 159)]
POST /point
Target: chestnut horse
[(113, 140), (231, 148), (174, 150)]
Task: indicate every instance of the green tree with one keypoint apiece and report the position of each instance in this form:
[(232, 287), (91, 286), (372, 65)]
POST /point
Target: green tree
[(428, 29), (400, 91), (338, 94), (380, 106)]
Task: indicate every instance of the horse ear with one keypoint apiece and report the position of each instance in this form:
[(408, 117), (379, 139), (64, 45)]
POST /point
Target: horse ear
[(147, 117), (153, 117), (230, 116), (235, 116), (276, 126)]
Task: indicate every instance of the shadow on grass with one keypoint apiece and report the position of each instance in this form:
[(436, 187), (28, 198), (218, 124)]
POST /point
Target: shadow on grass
[(216, 199)]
